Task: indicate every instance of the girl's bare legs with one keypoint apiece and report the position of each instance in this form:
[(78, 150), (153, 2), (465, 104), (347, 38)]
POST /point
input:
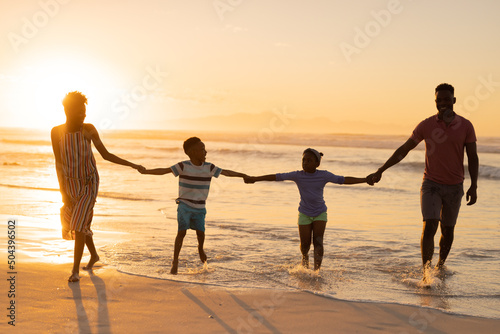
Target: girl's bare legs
[(318, 228), (305, 233)]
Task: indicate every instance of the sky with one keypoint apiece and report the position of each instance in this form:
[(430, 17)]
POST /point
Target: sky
[(143, 64)]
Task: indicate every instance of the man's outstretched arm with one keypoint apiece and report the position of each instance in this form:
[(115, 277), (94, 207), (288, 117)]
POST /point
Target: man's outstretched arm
[(396, 157)]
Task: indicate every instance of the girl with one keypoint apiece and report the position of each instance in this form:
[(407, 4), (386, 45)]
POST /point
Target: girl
[(77, 175), (312, 207)]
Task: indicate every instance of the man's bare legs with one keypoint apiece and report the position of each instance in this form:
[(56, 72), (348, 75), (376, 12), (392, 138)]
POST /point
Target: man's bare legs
[(427, 241), (447, 236), (427, 244)]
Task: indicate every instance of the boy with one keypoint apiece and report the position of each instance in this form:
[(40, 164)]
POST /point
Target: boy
[(194, 183)]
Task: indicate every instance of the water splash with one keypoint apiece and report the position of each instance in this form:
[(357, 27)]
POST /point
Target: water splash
[(204, 270), (301, 272)]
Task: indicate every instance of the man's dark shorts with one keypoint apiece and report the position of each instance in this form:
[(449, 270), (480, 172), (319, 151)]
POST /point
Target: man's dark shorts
[(441, 201)]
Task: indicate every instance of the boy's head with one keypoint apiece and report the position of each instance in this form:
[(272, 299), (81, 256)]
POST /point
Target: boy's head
[(311, 159), (195, 150)]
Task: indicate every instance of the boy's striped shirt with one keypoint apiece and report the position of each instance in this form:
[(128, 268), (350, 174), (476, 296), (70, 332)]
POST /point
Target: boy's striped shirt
[(194, 182)]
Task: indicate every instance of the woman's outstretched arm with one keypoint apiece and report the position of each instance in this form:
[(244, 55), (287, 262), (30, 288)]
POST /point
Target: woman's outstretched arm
[(91, 131), (156, 171)]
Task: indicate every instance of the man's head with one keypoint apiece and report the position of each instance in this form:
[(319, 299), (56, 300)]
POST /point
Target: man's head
[(195, 150), (75, 106), (445, 98)]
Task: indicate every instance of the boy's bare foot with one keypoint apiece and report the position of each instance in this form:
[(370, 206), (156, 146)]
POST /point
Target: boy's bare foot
[(175, 264), (91, 263), (74, 277), (203, 256), (305, 261)]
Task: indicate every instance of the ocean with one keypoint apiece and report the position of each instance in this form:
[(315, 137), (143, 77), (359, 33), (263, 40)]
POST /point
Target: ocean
[(372, 239)]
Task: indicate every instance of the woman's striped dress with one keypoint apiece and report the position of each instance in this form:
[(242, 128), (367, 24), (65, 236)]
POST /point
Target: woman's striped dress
[(81, 183)]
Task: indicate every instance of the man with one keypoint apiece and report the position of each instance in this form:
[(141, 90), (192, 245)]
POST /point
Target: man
[(446, 135)]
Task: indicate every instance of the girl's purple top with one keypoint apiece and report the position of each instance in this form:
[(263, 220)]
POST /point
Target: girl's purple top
[(311, 187)]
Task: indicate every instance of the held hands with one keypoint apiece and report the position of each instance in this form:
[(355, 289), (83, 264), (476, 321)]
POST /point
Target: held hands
[(141, 169), (249, 179), (374, 178)]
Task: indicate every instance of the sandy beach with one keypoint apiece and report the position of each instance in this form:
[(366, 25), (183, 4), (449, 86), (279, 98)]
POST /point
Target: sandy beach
[(107, 301)]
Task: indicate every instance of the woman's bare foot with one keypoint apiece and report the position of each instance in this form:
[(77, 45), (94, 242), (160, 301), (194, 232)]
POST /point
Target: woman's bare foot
[(74, 277), (91, 263)]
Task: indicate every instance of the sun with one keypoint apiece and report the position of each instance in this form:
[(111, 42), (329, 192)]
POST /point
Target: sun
[(48, 83)]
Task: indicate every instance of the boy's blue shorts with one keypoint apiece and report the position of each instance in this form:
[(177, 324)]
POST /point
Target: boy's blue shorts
[(190, 218)]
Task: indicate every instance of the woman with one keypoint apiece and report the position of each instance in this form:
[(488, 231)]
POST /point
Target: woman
[(78, 177)]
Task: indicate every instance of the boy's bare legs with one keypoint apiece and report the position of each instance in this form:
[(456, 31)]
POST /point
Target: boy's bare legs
[(94, 257), (305, 232), (177, 249), (318, 228), (201, 240), (77, 256)]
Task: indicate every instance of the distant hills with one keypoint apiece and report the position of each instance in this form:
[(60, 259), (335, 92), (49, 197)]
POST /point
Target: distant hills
[(280, 121)]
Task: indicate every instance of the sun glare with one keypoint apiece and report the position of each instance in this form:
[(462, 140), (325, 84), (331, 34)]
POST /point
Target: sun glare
[(51, 81)]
